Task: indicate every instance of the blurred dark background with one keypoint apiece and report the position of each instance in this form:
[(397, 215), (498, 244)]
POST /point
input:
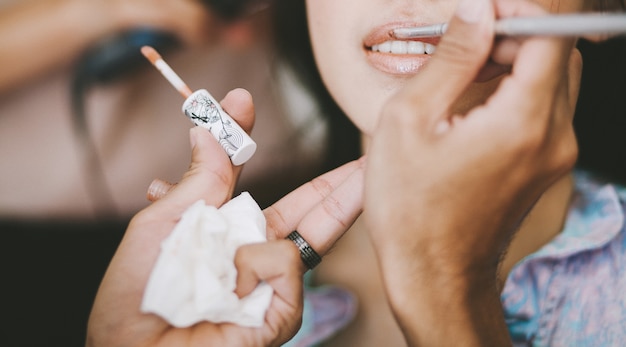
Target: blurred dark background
[(600, 119)]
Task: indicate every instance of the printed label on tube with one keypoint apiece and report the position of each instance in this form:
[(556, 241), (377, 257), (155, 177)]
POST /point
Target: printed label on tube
[(206, 112)]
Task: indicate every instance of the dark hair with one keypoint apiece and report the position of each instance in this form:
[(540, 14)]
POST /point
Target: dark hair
[(600, 119), (294, 48), (609, 5)]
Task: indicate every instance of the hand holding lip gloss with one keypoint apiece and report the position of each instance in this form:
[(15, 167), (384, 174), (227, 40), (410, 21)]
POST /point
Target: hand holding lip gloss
[(203, 110)]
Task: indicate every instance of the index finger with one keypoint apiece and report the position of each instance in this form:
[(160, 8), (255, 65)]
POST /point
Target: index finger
[(285, 215), (461, 53), (540, 62)]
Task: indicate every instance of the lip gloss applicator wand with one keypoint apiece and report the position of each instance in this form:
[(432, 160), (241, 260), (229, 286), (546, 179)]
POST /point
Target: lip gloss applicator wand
[(549, 25), (203, 110)]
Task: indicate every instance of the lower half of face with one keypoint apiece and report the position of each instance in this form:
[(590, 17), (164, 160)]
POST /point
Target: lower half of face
[(362, 65)]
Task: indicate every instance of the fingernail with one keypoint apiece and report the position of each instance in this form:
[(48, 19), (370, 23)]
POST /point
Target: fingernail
[(471, 11), (157, 189)]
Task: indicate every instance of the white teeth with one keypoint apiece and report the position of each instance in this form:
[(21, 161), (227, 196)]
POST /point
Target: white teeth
[(416, 47), (404, 47), (399, 47), (383, 47), (430, 49)]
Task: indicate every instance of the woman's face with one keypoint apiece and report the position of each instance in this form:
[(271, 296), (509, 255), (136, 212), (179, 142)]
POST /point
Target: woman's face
[(362, 66)]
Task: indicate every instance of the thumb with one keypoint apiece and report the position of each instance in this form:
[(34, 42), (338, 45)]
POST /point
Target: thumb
[(277, 262), (460, 55), (210, 176)]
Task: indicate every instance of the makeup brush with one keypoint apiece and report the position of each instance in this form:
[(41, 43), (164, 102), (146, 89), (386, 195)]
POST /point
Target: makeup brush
[(549, 25)]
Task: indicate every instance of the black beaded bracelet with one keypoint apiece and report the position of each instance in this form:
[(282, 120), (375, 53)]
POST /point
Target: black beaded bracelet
[(310, 258)]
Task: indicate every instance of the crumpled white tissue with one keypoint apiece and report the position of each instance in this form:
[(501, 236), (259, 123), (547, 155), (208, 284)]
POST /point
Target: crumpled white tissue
[(194, 277)]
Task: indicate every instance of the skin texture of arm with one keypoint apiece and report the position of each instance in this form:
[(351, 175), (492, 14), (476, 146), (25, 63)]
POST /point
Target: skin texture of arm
[(45, 34), (440, 226)]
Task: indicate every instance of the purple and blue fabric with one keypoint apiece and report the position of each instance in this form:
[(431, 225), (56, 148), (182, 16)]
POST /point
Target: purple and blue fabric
[(572, 292), (327, 309)]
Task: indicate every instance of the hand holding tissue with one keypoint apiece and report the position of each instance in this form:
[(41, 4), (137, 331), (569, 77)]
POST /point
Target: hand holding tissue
[(194, 277)]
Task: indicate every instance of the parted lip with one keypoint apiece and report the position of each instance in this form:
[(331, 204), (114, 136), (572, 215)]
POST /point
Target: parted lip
[(394, 64), (384, 33)]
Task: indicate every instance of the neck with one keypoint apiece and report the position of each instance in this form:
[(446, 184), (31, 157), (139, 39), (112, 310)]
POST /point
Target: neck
[(542, 224)]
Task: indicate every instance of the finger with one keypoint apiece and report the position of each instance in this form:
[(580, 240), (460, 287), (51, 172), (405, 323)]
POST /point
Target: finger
[(462, 52), (276, 262), (238, 104), (284, 216), (538, 65), (575, 69), (209, 177), (557, 50), (566, 153), (158, 188), (505, 50), (597, 38), (326, 223)]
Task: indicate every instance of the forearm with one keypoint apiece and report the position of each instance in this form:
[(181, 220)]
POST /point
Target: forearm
[(435, 308), (41, 35)]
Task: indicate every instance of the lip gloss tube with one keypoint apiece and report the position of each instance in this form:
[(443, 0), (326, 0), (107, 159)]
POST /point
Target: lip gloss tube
[(203, 110)]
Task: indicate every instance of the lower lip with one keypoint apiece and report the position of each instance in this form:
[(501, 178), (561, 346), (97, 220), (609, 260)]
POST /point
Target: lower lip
[(396, 64)]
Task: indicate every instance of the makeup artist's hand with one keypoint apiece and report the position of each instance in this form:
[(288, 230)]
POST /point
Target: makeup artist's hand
[(321, 210), (445, 192)]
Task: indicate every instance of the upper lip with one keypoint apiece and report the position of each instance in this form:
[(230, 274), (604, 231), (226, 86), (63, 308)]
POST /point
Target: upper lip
[(383, 33)]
